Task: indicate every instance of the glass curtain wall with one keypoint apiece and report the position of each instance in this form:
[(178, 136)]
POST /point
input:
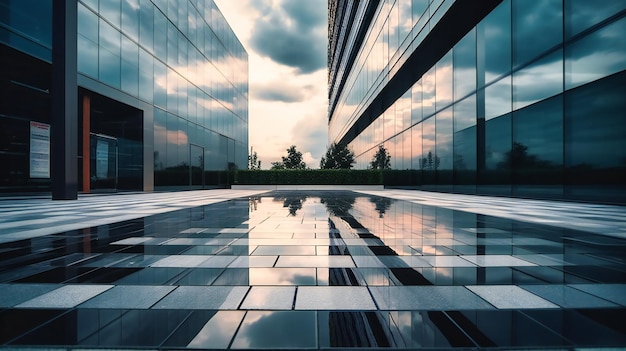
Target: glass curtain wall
[(529, 102), (182, 58)]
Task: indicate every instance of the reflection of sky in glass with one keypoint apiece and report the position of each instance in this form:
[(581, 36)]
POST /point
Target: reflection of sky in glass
[(541, 79), (596, 55), (498, 98)]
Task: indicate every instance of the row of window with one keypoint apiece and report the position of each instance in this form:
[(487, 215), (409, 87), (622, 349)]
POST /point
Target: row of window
[(468, 123), (173, 138), (545, 44), (184, 67)]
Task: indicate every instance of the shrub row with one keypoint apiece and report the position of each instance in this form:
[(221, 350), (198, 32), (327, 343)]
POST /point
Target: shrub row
[(308, 177)]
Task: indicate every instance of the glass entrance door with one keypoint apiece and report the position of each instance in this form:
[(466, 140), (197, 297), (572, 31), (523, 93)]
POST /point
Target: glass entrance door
[(196, 165), (103, 161)]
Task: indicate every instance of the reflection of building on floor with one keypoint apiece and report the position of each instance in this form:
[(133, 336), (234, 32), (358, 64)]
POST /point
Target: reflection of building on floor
[(371, 330)]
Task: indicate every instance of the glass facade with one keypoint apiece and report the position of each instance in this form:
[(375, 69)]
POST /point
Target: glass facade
[(178, 63), (526, 103)]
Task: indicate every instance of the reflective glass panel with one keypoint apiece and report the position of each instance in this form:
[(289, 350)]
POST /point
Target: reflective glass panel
[(416, 146), (87, 24), (498, 98), (595, 125), (146, 25), (428, 93), (130, 18), (444, 81), (416, 102), (537, 27), (87, 57), (539, 80), (596, 55), (497, 150), (494, 43), (465, 65), (536, 155), (429, 162), (582, 14), (111, 11), (31, 18), (109, 68), (444, 140)]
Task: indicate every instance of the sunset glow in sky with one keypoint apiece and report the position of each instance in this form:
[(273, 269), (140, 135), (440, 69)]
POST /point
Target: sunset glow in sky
[(286, 42)]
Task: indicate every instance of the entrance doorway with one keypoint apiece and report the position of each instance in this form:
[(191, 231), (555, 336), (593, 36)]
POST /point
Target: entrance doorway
[(103, 162), (196, 166), (111, 144)]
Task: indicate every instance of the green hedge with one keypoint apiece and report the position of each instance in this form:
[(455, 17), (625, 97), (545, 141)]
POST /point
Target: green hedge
[(308, 177)]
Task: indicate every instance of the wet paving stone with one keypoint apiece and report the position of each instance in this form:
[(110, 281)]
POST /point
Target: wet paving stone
[(316, 270)]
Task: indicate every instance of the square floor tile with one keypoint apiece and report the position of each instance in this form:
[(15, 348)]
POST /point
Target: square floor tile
[(203, 298), (315, 261), (269, 298), (217, 261), (13, 294), (183, 261), (612, 292), (272, 250), (447, 261), (282, 276), (334, 298), (253, 261), (510, 297), (368, 262), (496, 261), (567, 297), (133, 241), (129, 297), (426, 298), (66, 296)]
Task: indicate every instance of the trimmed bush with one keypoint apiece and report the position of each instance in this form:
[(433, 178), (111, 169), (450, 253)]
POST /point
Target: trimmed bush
[(308, 177)]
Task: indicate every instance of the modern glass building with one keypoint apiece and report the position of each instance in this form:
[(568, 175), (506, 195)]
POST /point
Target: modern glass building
[(159, 90), (508, 97)]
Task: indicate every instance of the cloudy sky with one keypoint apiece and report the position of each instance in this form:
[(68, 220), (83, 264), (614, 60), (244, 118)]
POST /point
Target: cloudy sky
[(286, 44)]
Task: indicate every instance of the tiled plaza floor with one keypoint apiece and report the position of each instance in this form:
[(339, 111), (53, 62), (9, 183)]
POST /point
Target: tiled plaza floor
[(311, 270)]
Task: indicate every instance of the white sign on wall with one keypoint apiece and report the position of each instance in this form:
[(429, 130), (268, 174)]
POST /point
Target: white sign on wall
[(39, 150), (102, 159)]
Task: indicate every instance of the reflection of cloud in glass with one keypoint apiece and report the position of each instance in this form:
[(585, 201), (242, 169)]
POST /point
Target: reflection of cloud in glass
[(597, 55), (538, 81), (498, 98), (174, 137), (537, 26)]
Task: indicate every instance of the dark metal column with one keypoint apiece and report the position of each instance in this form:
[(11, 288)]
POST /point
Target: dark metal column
[(64, 133)]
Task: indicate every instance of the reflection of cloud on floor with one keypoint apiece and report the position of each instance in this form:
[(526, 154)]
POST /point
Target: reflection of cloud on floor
[(278, 329)]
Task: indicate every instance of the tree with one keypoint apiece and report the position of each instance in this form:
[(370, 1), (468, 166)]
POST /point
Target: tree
[(338, 156), (277, 165), (292, 161), (253, 161), (381, 160)]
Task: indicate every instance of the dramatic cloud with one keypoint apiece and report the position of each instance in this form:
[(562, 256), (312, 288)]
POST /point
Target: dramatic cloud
[(277, 91), (292, 33), (284, 108), (311, 134)]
